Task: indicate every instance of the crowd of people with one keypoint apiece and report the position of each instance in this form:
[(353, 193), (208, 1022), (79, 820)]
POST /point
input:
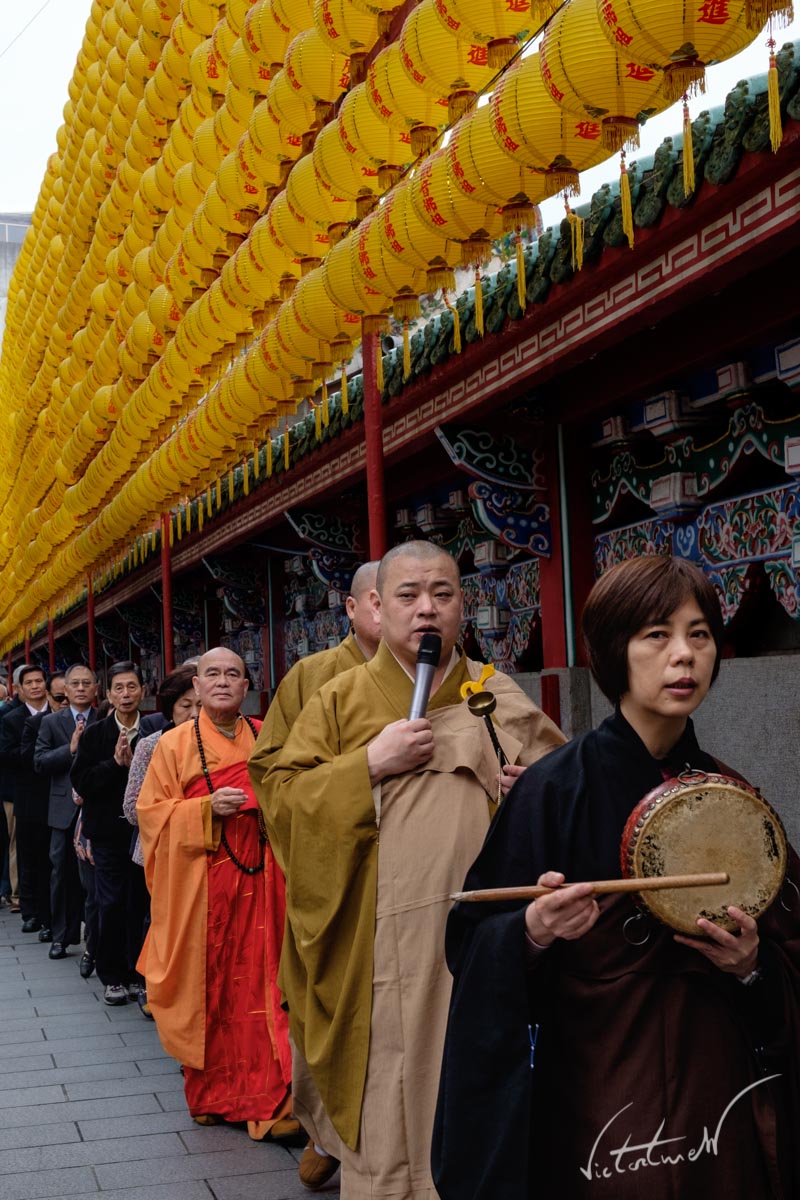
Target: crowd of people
[(276, 895)]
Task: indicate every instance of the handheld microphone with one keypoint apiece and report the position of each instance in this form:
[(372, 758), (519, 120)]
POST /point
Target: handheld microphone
[(428, 655)]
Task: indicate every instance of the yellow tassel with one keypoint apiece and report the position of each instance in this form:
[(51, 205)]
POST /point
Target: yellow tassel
[(219, 494), (246, 476), (287, 450), (135, 554), (326, 412), (230, 485), (179, 523), (625, 197), (256, 459), (500, 52), (200, 514), (617, 133), (171, 534), (208, 501), (188, 511), (686, 77), (317, 422), (522, 286), (576, 237), (478, 304), (343, 401), (406, 352), (757, 12), (774, 98), (269, 454), (688, 151), (379, 370), (456, 321)]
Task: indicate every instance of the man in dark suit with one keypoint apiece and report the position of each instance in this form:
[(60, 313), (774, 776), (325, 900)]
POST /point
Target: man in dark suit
[(30, 798), (10, 880), (56, 746), (99, 775)]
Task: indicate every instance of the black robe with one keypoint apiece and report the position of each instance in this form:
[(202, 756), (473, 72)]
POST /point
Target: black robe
[(555, 1061)]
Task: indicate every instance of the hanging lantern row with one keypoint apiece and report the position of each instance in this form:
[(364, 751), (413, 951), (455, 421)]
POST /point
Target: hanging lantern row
[(147, 269)]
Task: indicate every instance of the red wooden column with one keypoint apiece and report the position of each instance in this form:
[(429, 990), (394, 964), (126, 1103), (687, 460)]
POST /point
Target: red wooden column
[(166, 595), (51, 644), (90, 624), (373, 439)]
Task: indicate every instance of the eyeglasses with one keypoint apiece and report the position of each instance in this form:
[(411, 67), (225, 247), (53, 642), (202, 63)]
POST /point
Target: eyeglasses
[(57, 699)]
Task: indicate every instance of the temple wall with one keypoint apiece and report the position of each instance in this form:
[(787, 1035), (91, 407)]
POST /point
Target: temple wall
[(751, 719)]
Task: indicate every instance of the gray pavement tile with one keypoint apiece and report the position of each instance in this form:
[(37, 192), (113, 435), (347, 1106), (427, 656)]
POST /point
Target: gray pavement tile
[(171, 1101), (34, 1062), (193, 1190), (34, 969), (48, 1183), (76, 1110), (87, 1154), (129, 1086), (81, 1074), (208, 1139), (19, 1097), (250, 1160), (159, 1066), (119, 1053), (277, 1185), (29, 1030), (75, 1005), (14, 991), (68, 986), (143, 1034), (31, 1135), (131, 1126), (88, 1045)]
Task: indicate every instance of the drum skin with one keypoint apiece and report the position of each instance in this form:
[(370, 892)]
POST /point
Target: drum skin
[(700, 823)]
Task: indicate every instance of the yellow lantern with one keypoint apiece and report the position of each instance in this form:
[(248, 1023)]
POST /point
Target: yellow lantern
[(395, 98), (347, 31), (294, 236), (310, 199), (348, 290), (481, 170), (265, 37), (315, 71), (291, 108), (371, 141), (582, 71), (201, 15), (680, 41), (274, 141), (209, 73), (339, 169), (441, 64), (532, 129), (297, 14)]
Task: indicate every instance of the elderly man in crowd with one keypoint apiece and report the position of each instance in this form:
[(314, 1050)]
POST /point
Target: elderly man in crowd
[(363, 968), (56, 746), (211, 955)]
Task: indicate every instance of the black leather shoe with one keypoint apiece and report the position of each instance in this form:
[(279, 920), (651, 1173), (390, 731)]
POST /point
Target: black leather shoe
[(57, 951), (45, 935), (31, 925), (86, 966)]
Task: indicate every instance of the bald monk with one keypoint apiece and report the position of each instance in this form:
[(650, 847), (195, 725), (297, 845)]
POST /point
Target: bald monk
[(320, 1159), (218, 910), (362, 967), (309, 674)]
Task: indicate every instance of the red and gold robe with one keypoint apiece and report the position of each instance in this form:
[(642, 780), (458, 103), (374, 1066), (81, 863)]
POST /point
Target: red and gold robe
[(211, 955)]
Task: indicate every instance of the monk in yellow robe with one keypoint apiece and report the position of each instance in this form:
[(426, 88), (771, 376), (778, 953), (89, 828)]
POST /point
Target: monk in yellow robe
[(377, 819), (217, 913), (320, 1159)]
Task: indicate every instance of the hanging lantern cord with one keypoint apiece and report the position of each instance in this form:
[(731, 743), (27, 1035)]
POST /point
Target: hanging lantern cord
[(774, 96), (688, 149), (576, 235)]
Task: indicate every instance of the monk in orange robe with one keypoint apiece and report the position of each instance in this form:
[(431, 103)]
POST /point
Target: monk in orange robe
[(217, 911)]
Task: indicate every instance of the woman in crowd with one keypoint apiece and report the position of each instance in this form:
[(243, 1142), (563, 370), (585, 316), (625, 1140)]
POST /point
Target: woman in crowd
[(619, 1062)]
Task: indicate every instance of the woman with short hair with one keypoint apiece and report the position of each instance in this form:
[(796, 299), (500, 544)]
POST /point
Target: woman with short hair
[(621, 1060)]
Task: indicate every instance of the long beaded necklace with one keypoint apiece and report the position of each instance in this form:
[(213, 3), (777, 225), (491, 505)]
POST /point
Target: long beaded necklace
[(207, 775)]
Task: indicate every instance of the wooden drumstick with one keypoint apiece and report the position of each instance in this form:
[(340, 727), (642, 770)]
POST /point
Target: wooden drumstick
[(649, 883)]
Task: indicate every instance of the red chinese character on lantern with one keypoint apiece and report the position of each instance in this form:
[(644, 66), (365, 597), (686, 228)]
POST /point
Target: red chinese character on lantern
[(588, 130), (639, 73), (211, 67), (556, 94), (607, 14), (520, 6), (510, 144), (478, 56), (621, 37), (714, 12)]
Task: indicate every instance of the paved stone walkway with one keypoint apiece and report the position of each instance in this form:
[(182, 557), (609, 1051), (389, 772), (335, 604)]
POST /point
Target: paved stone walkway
[(91, 1105)]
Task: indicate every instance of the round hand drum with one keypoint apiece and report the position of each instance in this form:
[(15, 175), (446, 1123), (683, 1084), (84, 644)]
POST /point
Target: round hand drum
[(702, 823)]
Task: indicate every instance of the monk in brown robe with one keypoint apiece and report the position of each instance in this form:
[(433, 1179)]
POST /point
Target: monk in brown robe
[(376, 818), (218, 910)]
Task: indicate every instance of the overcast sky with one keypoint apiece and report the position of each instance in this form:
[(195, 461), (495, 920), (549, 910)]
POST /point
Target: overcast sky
[(36, 68)]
